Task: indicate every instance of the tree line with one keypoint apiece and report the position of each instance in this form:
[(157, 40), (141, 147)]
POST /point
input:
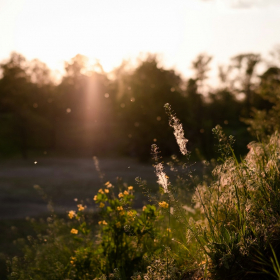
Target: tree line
[(91, 112)]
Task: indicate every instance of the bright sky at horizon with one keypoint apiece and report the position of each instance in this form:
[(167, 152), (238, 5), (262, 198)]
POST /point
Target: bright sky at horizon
[(108, 30)]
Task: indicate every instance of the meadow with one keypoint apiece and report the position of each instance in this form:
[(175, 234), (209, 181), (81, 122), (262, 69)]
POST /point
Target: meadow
[(229, 229), (110, 186), (63, 179)]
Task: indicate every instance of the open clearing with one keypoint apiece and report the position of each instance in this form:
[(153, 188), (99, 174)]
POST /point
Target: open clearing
[(62, 179)]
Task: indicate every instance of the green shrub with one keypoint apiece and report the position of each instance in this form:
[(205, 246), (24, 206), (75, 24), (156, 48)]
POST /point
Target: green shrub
[(120, 242)]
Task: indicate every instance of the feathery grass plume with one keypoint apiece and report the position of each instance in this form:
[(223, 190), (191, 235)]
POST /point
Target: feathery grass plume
[(178, 129), (97, 168), (162, 177)]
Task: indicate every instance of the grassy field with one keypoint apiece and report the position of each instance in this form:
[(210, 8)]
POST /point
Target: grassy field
[(63, 180)]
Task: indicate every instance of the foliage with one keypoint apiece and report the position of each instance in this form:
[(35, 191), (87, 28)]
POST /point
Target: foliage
[(231, 230), (237, 214), (126, 235), (87, 106), (120, 243)]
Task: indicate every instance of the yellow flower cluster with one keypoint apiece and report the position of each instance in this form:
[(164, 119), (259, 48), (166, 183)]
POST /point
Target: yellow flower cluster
[(95, 198), (130, 188), (108, 185), (74, 231), (101, 205), (101, 191), (80, 207), (163, 204), (102, 223), (122, 213), (144, 208), (72, 260), (119, 208), (130, 213), (125, 193), (120, 195), (71, 214), (106, 191), (168, 229)]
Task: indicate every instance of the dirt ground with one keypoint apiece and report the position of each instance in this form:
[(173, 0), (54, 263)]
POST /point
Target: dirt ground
[(63, 180)]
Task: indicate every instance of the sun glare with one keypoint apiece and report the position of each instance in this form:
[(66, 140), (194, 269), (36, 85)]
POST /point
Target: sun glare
[(110, 31)]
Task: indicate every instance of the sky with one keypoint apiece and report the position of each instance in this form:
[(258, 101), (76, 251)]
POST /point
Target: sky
[(178, 30)]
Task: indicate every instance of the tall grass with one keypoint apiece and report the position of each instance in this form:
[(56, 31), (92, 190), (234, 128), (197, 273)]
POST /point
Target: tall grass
[(230, 228)]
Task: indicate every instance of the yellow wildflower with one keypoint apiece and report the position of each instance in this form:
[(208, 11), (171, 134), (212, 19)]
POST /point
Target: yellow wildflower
[(108, 185), (118, 224), (125, 193), (100, 222), (74, 231), (101, 191), (36, 187), (101, 205), (163, 204), (130, 213), (168, 229), (120, 195), (104, 223), (95, 197), (122, 213), (130, 188), (80, 207), (119, 208), (144, 208), (71, 262), (106, 191), (71, 214)]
